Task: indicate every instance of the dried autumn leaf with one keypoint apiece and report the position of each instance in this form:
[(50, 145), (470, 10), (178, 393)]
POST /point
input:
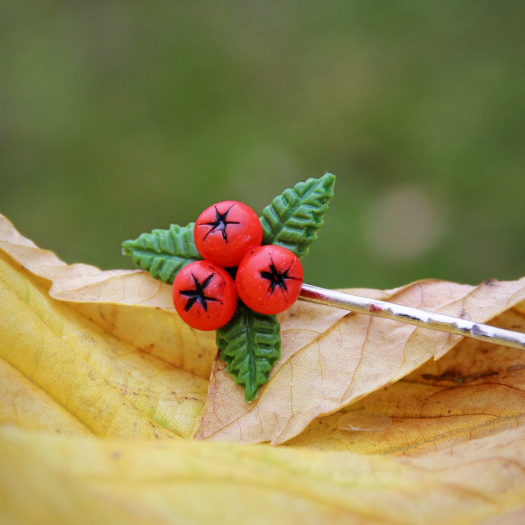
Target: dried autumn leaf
[(332, 360), (475, 390), (84, 480)]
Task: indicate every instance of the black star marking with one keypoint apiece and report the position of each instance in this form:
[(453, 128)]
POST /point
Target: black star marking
[(277, 280), (220, 224), (197, 295)]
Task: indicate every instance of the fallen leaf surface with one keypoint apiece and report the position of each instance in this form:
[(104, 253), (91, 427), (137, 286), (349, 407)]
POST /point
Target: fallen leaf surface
[(475, 390), (102, 388), (77, 375), (128, 304), (88, 480), (332, 360)]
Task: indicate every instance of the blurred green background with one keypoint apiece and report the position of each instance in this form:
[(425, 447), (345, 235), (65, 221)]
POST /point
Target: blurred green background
[(117, 117)]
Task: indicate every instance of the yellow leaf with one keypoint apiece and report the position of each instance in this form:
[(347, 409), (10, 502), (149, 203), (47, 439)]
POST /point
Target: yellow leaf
[(77, 375), (126, 303), (24, 404), (47, 478)]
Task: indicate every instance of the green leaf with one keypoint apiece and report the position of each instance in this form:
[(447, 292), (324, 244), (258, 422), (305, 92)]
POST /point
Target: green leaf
[(294, 217), (163, 252), (250, 345)]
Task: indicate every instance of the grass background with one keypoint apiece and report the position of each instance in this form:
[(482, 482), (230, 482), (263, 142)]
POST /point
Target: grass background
[(117, 117)]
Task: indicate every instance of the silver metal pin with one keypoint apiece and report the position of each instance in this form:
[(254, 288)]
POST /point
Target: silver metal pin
[(414, 316)]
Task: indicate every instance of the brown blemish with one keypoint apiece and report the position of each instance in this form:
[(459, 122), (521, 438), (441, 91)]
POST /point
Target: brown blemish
[(515, 367), (456, 377)]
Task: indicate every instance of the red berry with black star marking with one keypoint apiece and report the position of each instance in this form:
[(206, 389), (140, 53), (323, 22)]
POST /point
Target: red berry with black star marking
[(269, 279), (224, 232), (204, 295)]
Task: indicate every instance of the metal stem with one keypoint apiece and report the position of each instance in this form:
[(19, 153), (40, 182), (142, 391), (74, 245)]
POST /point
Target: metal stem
[(414, 316)]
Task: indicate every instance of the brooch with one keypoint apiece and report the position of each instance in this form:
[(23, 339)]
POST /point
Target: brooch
[(233, 271)]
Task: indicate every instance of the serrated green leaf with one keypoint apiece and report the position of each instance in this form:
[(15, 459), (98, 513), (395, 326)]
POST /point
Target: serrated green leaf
[(293, 218), (163, 253), (250, 345)]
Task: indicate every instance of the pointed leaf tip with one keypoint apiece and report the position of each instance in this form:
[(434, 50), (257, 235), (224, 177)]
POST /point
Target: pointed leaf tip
[(293, 218), (163, 253)]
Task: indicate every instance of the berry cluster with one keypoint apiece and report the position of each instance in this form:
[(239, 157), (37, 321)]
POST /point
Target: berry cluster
[(231, 273), (267, 279)]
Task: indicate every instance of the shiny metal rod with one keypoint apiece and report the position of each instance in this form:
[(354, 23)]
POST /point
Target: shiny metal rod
[(414, 316)]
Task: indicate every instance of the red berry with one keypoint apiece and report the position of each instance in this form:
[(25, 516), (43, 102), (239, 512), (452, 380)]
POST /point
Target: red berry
[(269, 279), (225, 231), (204, 295)]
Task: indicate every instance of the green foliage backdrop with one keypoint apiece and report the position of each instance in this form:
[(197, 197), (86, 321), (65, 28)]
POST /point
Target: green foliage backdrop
[(120, 117)]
